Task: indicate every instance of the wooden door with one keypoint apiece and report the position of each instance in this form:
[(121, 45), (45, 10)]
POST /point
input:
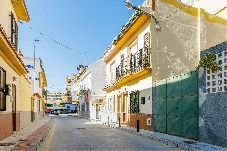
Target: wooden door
[(14, 107), (32, 110)]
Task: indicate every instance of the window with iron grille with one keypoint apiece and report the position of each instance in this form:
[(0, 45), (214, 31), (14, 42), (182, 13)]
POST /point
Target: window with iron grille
[(134, 102), (14, 31), (2, 90), (216, 81)]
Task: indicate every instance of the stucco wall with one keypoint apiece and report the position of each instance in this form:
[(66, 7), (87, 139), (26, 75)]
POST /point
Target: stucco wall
[(176, 48), (10, 73), (98, 76), (25, 102), (25, 119)]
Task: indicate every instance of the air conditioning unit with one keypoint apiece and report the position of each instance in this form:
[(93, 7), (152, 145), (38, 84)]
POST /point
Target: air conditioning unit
[(149, 121)]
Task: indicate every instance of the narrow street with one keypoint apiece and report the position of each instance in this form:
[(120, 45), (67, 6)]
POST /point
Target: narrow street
[(72, 133)]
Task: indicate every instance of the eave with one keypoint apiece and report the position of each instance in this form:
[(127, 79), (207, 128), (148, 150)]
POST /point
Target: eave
[(37, 95), (196, 11), (9, 54), (128, 79), (21, 10), (135, 26)]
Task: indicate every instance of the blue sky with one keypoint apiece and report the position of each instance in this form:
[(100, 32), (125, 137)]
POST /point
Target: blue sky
[(86, 26)]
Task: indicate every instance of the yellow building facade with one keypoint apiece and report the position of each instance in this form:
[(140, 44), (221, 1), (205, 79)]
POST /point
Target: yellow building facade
[(15, 92)]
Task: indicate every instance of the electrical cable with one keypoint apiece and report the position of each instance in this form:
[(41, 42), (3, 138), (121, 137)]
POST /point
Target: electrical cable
[(53, 40)]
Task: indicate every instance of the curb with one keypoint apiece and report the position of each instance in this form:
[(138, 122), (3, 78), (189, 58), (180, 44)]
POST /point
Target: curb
[(31, 142), (38, 142), (196, 146), (163, 141)]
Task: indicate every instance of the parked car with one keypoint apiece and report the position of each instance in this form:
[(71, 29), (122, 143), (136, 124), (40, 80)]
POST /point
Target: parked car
[(56, 112), (63, 111), (72, 108), (48, 110)]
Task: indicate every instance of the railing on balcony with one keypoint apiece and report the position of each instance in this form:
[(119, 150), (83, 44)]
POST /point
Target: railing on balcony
[(137, 61)]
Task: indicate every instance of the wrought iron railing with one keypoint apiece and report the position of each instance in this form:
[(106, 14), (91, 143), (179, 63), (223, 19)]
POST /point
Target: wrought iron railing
[(137, 61)]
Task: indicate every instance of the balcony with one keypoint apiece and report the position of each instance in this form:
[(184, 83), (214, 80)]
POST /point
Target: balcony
[(135, 66)]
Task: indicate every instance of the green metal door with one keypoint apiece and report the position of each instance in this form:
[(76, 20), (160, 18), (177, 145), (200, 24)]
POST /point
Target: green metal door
[(177, 105), (161, 106)]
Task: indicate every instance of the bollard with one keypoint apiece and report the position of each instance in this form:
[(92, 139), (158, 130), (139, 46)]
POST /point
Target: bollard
[(119, 119), (138, 125), (108, 121)]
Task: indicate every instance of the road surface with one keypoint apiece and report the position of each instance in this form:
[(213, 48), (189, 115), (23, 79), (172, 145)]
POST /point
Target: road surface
[(73, 133)]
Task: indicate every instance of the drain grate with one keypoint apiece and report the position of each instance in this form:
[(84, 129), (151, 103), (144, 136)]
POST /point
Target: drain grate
[(6, 144), (80, 128), (189, 142)]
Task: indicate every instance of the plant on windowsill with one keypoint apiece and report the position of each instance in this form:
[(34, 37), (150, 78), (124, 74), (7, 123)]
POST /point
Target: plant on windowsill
[(208, 62)]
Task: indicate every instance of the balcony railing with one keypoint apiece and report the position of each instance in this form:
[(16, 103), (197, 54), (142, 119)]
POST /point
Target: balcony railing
[(137, 61)]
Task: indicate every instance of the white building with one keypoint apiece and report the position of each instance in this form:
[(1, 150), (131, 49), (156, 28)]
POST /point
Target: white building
[(91, 96), (129, 73), (37, 78)]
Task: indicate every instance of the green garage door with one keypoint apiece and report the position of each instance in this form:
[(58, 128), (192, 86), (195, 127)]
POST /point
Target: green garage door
[(177, 105)]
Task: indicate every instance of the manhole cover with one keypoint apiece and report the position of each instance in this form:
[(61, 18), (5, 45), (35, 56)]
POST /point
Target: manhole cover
[(80, 128), (190, 142), (6, 144), (22, 140)]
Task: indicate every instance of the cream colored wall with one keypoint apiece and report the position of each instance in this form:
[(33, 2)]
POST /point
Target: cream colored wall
[(10, 73), (6, 8), (223, 14), (176, 48), (25, 95), (212, 33)]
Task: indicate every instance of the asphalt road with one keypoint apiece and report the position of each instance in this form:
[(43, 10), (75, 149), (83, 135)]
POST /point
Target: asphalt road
[(73, 133)]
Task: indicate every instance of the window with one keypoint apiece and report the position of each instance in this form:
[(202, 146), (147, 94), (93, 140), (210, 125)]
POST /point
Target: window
[(14, 31), (2, 90), (30, 66), (142, 100), (217, 81), (39, 106), (112, 72)]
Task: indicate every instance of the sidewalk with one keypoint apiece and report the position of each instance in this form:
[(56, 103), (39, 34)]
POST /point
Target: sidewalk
[(173, 141), (27, 138)]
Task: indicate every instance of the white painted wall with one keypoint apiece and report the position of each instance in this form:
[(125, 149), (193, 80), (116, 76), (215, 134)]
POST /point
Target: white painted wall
[(33, 75)]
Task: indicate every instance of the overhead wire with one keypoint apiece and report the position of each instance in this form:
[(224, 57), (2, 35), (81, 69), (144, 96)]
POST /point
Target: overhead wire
[(53, 40)]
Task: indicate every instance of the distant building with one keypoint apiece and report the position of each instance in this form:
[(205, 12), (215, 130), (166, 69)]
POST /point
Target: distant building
[(68, 88), (55, 98)]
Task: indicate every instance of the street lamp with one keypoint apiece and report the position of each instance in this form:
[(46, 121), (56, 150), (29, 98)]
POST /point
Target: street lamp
[(144, 10), (34, 42)]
